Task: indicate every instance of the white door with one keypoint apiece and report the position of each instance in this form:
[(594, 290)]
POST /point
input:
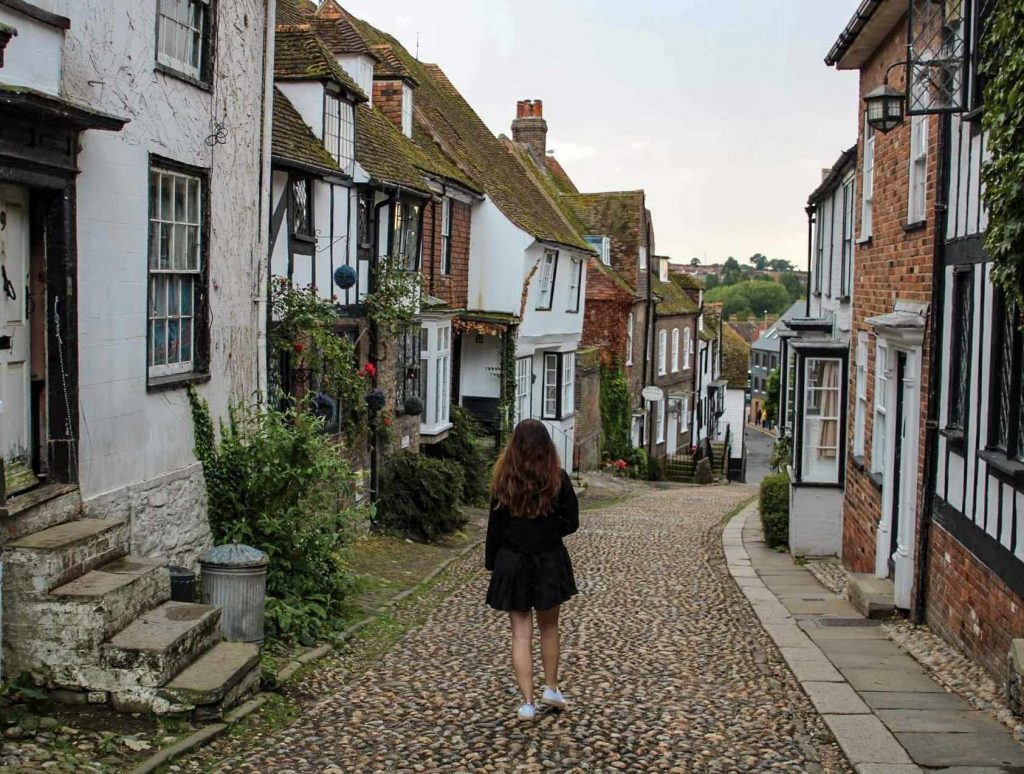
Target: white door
[(672, 439), (14, 337)]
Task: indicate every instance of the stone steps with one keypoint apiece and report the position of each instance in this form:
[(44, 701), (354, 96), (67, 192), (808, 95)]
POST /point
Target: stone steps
[(38, 509), (161, 643), (217, 680)]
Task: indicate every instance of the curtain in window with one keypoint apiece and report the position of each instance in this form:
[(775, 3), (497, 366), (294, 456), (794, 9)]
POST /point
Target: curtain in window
[(829, 409)]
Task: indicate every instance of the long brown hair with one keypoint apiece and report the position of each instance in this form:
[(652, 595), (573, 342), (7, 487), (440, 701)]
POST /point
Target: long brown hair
[(528, 475)]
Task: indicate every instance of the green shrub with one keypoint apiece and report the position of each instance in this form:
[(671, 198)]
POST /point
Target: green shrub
[(276, 482), (461, 448), (782, 452), (773, 503), (419, 496), (655, 469), (616, 413), (639, 462)]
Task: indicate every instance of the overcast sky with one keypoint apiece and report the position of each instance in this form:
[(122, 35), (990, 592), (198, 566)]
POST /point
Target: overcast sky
[(722, 110)]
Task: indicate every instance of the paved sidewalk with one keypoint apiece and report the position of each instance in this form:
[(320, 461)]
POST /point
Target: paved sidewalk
[(886, 713)]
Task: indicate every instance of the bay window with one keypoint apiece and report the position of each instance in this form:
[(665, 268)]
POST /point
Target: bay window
[(436, 367), (559, 385), (820, 429), (405, 234), (546, 281)]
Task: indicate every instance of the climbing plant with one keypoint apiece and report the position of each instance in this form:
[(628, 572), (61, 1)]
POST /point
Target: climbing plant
[(1002, 64), (506, 407), (393, 301), (616, 414)]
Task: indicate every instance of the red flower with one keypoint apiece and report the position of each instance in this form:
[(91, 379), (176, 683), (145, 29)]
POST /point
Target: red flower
[(387, 422), (299, 346), (370, 369), (621, 464)]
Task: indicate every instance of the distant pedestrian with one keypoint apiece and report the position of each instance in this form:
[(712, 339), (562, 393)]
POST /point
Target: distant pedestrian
[(533, 506)]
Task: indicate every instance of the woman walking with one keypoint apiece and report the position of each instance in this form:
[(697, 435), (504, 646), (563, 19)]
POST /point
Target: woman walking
[(533, 506)]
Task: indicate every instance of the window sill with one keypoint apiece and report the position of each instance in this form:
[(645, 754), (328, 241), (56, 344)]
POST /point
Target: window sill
[(875, 479), (955, 438), (160, 67), (435, 430), (858, 461), (864, 241), (918, 225), (1010, 471), (304, 238), (176, 381)]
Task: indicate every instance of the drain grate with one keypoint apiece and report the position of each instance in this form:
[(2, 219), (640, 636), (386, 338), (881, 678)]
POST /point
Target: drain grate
[(835, 621)]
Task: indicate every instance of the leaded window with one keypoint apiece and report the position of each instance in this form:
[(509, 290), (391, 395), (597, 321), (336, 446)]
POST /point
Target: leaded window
[(182, 39), (302, 206), (935, 64), (339, 130), (1007, 433), (408, 371), (176, 272), (960, 357), (446, 236), (405, 234)]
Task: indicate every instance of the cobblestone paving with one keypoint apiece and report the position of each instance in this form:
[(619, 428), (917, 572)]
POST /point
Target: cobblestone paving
[(665, 667)]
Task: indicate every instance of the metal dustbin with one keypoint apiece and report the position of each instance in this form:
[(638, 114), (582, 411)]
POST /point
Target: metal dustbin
[(235, 578), (183, 584)]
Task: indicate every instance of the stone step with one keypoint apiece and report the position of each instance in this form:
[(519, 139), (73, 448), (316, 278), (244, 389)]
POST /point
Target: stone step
[(160, 643), (873, 597), (44, 560), (221, 678), (38, 509)]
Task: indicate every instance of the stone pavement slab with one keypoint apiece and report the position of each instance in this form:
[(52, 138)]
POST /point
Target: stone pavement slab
[(887, 714)]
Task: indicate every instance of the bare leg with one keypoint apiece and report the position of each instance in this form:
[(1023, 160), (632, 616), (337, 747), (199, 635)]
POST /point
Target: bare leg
[(522, 658), (547, 622)]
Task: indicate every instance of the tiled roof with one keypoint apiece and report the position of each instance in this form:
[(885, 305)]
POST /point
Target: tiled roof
[(673, 298), (340, 37), (685, 280), (618, 215), (606, 284), (293, 140), (291, 12), (385, 153), (479, 155), (735, 358), (300, 56), (560, 176), (389, 65), (712, 319)]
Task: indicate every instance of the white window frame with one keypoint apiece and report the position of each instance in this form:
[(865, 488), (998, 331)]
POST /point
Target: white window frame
[(436, 364), (177, 18), (603, 246), (828, 473), (568, 384), (643, 257), (846, 270), (867, 182), (558, 393), (575, 285), (687, 349), (177, 225), (675, 350), (524, 389), (861, 408), (446, 235), (339, 130), (629, 339), (684, 415), (879, 429), (918, 170), (552, 380), (662, 352), (659, 418), (407, 110), (546, 281)]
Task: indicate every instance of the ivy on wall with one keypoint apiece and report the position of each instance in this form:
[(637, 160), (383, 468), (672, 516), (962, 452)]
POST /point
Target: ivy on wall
[(616, 413), (506, 407), (1003, 66)]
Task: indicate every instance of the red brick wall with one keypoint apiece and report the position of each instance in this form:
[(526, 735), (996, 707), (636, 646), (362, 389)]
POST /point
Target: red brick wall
[(453, 288), (387, 96), (969, 606), (896, 264)]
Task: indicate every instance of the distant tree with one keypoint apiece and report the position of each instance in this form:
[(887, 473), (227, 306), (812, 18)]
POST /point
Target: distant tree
[(732, 272), (758, 261), (780, 264), (794, 285), (750, 298), (711, 281), (695, 261)]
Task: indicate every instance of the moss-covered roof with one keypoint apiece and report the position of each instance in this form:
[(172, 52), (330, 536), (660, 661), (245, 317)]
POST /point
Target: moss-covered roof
[(390, 65), (293, 140), (561, 177), (674, 300), (340, 37), (685, 280), (712, 319), (618, 215), (292, 12), (735, 358), (300, 56), (386, 154)]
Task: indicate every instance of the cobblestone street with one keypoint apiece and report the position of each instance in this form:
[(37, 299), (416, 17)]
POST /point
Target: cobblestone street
[(665, 668)]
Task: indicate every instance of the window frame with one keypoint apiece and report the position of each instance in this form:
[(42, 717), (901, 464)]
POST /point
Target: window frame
[(880, 408), (201, 75), (917, 171), (338, 132), (446, 236), (403, 213), (867, 184), (293, 227), (407, 350), (687, 348), (675, 350), (406, 109), (806, 391), (819, 248), (564, 391), (1012, 450), (961, 319), (575, 285), (861, 396), (630, 323), (659, 417), (436, 372), (846, 271), (662, 352), (197, 367), (546, 292), (523, 379)]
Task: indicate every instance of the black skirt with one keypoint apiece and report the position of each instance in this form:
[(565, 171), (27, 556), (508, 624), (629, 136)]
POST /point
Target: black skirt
[(535, 581)]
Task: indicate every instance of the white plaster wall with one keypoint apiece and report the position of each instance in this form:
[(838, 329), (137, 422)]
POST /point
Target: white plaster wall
[(735, 411), (279, 256), (360, 69), (557, 321), (481, 367), (815, 521), (307, 97), (130, 436), (32, 58), (496, 248)]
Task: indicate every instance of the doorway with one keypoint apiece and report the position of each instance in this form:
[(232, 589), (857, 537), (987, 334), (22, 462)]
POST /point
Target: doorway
[(899, 442)]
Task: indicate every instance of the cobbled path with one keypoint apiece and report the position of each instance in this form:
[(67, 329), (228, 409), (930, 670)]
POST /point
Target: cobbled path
[(664, 665)]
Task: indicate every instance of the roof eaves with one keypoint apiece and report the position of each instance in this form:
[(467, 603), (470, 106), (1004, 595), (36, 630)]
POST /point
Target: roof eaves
[(835, 175), (871, 22)]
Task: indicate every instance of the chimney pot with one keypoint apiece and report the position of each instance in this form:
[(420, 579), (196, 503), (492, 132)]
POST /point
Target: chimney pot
[(520, 108), (538, 109)]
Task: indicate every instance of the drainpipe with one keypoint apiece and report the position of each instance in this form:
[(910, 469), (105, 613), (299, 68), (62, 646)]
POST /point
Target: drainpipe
[(810, 210), (931, 445), (374, 355)]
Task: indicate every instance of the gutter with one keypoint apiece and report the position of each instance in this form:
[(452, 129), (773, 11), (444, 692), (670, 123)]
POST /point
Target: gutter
[(853, 29)]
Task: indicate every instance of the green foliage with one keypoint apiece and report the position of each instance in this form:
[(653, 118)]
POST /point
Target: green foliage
[(655, 469), (506, 407), (276, 482), (392, 303), (461, 448), (773, 503), (1003, 174), (782, 454), (639, 463), (772, 392), (780, 264), (752, 297), (420, 496), (616, 413), (794, 285), (304, 333), (758, 261)]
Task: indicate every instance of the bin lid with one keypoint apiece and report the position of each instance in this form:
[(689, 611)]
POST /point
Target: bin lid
[(234, 555)]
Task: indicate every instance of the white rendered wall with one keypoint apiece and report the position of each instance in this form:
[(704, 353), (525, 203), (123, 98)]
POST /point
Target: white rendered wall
[(481, 367), (307, 97), (130, 436), (549, 325), (815, 521), (360, 69), (33, 57), (735, 412), (496, 248)]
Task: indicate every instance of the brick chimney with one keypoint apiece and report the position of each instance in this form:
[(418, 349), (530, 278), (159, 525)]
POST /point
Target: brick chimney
[(530, 128)]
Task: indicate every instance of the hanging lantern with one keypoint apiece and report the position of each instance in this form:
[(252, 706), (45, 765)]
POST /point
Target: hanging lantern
[(885, 108)]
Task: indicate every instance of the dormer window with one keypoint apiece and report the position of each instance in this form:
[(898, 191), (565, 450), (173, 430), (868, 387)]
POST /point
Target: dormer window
[(339, 130), (603, 246), (406, 110)]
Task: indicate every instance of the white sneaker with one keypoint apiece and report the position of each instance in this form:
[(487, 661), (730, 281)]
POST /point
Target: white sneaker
[(527, 713), (553, 698)]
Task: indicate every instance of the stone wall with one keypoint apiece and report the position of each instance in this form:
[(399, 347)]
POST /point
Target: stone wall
[(167, 515)]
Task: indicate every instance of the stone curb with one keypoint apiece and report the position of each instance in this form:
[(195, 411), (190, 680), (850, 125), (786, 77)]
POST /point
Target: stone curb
[(207, 734), (870, 747)]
